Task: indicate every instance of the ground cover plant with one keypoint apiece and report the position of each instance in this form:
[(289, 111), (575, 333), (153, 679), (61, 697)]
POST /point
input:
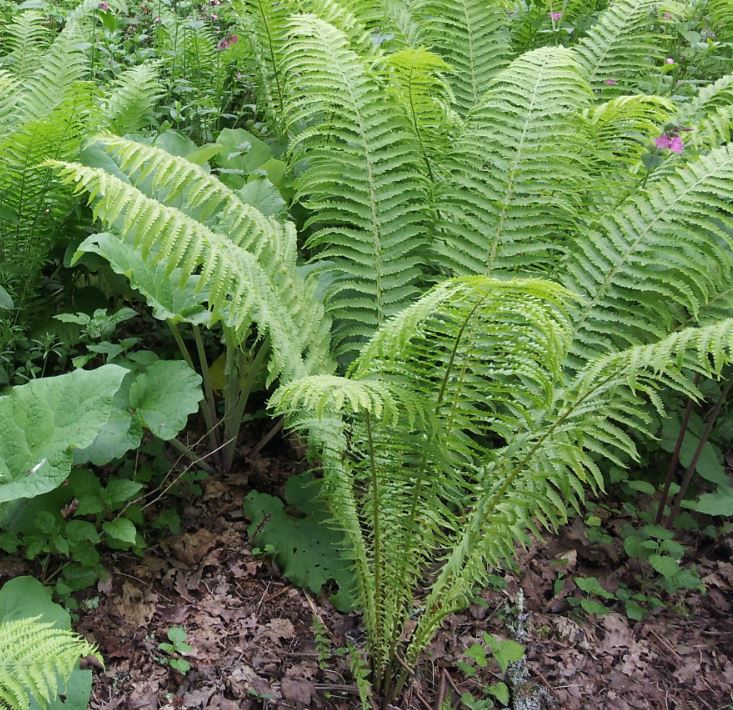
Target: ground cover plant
[(475, 256)]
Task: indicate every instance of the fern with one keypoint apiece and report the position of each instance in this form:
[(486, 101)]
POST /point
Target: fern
[(36, 660), (472, 37), (132, 98), (177, 214), (417, 81), (655, 260), (361, 181), (721, 16), (542, 473), (513, 182), (620, 47)]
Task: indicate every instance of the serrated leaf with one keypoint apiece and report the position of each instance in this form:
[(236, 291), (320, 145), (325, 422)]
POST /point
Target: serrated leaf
[(718, 503), (591, 585), (668, 567), (121, 529), (45, 420), (120, 490), (307, 548)]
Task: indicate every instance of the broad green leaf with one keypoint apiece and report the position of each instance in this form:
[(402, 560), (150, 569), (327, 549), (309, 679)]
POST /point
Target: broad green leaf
[(666, 566), (26, 596), (307, 548), (500, 691), (6, 302), (505, 652), (718, 503), (592, 606), (44, 421), (119, 490), (591, 585), (264, 196), (169, 296), (165, 395), (121, 529)]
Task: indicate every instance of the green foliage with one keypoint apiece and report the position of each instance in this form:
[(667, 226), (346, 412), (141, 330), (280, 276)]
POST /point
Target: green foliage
[(39, 655), (44, 421), (305, 548), (175, 648), (362, 182), (472, 37)]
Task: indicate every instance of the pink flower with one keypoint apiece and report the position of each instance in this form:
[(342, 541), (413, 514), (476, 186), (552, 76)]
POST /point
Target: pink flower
[(227, 42), (667, 16), (213, 17), (676, 145), (104, 6), (611, 82), (555, 16), (669, 60), (667, 142)]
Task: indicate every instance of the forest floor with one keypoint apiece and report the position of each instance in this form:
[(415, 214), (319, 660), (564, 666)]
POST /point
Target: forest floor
[(252, 633)]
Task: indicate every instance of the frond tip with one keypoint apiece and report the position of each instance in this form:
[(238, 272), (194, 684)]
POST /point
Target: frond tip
[(36, 660)]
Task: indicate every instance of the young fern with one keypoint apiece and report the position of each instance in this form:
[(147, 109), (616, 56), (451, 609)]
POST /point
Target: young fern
[(36, 660)]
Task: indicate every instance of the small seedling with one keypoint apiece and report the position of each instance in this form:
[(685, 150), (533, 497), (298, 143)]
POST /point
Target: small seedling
[(175, 649)]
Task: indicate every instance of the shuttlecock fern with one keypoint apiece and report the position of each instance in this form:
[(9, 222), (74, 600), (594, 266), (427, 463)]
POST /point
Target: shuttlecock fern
[(361, 181), (618, 50), (511, 192), (36, 660), (472, 36)]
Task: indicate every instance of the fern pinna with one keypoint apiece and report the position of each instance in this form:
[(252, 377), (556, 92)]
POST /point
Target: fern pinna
[(514, 272)]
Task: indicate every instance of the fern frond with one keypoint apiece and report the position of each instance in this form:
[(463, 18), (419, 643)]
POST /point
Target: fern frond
[(540, 475), (721, 16), (132, 98), (472, 37), (361, 181), (621, 46), (28, 37), (416, 78), (36, 660), (265, 27), (186, 219), (514, 180), (657, 259)]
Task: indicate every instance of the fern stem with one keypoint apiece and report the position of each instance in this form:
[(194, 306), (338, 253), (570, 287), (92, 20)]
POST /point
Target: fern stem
[(378, 651), (271, 49)]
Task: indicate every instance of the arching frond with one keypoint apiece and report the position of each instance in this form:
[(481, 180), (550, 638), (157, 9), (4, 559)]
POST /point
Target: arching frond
[(240, 289), (361, 178), (721, 17), (655, 260), (36, 660), (27, 38), (514, 180), (619, 49), (472, 37), (540, 475)]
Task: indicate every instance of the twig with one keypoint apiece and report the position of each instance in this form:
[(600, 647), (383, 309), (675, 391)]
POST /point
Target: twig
[(441, 692)]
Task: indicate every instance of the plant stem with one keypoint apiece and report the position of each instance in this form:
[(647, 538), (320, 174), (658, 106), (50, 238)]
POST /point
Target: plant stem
[(674, 461), (179, 446), (710, 422), (208, 407), (378, 660)]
